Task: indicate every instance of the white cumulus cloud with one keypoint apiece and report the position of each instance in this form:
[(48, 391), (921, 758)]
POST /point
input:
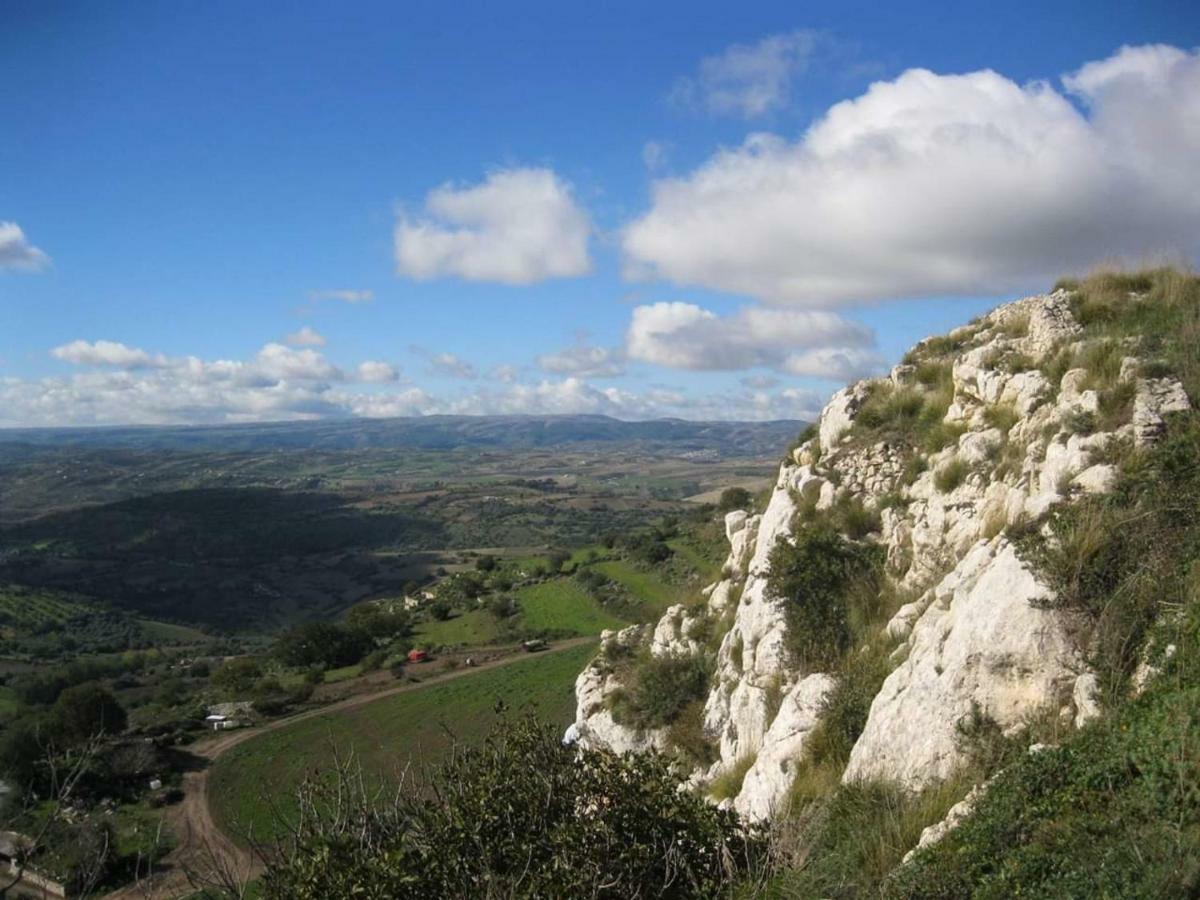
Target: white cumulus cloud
[(748, 80), (280, 362), (16, 252), (802, 342), (106, 353), (519, 226), (935, 185)]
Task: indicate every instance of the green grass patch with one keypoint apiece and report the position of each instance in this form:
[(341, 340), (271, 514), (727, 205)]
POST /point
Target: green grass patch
[(708, 567), (562, 606), (646, 586), (250, 783), (470, 628), (729, 783), (1115, 812), (950, 475), (1160, 307)]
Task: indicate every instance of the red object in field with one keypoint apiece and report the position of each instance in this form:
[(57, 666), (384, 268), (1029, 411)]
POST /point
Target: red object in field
[(418, 656)]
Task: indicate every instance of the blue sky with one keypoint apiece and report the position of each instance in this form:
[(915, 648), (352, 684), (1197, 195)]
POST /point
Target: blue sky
[(696, 210)]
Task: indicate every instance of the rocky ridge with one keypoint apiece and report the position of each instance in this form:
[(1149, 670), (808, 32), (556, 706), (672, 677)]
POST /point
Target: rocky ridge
[(1019, 427)]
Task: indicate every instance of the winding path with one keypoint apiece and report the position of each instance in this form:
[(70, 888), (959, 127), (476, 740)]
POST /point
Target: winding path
[(202, 845)]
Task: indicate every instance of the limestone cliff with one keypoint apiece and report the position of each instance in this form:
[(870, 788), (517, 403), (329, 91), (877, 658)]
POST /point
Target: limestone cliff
[(1017, 426)]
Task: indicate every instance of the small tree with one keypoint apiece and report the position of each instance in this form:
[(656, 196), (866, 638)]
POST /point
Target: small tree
[(734, 498), (84, 711), (556, 559), (237, 676)]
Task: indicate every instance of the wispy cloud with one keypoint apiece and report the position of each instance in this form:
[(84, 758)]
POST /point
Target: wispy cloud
[(748, 80), (305, 337), (376, 372), (341, 296), (585, 361), (444, 364)]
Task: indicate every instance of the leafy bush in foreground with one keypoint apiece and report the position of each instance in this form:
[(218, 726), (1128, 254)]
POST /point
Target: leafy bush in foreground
[(520, 816)]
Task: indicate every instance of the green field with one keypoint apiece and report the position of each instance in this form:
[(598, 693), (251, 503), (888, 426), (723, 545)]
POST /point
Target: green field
[(475, 627), (35, 609), (709, 569), (251, 782), (167, 633), (562, 605), (644, 585)]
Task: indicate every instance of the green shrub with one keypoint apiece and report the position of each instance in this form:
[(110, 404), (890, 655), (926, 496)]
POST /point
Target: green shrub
[(1001, 415), (1055, 366), (686, 735), (810, 432), (519, 816), (907, 416), (950, 475), (734, 498), (1014, 362), (914, 467), (934, 375), (860, 675), (891, 408), (1014, 326), (1079, 421), (851, 518), (943, 345), (813, 573), (941, 435), (1115, 405), (657, 689)]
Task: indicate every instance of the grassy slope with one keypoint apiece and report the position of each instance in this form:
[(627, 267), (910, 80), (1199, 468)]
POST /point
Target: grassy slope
[(476, 627), (251, 780), (562, 605), (709, 569), (559, 606), (646, 586)]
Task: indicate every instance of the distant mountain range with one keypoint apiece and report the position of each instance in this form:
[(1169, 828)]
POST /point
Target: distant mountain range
[(726, 439)]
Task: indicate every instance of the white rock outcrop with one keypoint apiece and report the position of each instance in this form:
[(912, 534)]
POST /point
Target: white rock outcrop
[(768, 781), (982, 641), (976, 632)]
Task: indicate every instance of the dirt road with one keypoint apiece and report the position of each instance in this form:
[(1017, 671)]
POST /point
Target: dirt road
[(203, 849)]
